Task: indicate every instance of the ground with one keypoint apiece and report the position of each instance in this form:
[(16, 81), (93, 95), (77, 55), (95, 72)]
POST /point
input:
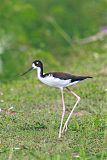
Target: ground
[(29, 130)]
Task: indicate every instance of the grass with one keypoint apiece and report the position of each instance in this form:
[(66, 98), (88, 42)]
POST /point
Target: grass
[(30, 129)]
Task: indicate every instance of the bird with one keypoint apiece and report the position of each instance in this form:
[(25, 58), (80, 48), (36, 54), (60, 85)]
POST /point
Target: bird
[(59, 80)]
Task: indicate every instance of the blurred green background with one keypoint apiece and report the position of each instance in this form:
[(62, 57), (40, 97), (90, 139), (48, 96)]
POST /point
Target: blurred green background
[(47, 30)]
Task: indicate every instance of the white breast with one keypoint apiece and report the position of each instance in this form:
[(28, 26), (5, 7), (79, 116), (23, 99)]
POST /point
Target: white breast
[(55, 82)]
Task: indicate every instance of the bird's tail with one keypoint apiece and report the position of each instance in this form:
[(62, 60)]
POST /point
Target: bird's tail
[(89, 77), (79, 78)]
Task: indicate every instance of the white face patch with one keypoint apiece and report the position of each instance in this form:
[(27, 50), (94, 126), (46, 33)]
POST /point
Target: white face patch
[(33, 65)]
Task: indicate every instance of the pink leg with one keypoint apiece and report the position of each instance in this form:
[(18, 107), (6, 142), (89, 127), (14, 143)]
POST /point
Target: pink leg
[(78, 99), (63, 113)]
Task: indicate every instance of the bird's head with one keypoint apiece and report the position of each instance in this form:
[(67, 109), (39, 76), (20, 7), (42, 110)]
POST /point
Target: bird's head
[(35, 65)]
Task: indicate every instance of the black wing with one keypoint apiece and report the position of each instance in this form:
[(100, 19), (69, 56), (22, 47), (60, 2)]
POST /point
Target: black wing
[(79, 78), (66, 76)]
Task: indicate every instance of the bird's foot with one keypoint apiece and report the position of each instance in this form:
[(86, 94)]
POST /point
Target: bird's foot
[(64, 128), (59, 136)]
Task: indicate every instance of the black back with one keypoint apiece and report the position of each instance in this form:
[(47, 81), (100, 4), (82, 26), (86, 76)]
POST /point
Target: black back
[(66, 76)]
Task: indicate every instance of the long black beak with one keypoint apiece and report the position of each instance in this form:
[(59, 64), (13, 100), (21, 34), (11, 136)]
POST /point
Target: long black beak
[(26, 71)]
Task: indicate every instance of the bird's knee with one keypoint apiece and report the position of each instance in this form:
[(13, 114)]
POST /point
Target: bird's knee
[(79, 98)]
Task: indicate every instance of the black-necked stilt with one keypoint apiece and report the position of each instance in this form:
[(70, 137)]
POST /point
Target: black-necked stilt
[(60, 80)]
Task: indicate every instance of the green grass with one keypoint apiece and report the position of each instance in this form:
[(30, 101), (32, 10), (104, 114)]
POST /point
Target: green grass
[(31, 131)]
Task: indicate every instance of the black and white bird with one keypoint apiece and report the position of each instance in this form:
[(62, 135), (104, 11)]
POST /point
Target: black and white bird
[(60, 80)]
